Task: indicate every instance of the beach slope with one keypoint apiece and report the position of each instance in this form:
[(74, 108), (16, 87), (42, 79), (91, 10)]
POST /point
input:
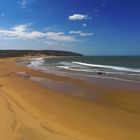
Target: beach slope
[(29, 111)]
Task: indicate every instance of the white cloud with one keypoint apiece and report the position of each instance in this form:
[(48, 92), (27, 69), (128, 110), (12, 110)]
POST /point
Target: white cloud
[(59, 36), (80, 33), (49, 42), (84, 25), (23, 32), (21, 28), (24, 3), (78, 17)]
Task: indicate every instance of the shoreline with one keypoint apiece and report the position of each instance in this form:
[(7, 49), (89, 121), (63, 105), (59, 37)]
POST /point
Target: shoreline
[(76, 71), (31, 111)]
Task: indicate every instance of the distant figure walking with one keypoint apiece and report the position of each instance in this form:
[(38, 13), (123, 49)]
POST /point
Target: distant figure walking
[(27, 76)]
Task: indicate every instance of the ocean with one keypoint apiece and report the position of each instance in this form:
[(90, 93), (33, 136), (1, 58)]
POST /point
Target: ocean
[(125, 68)]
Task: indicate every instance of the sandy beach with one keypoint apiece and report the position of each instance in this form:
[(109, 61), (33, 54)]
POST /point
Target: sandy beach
[(30, 111)]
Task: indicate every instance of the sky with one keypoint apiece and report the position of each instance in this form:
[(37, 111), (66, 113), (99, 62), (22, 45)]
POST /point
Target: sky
[(91, 27)]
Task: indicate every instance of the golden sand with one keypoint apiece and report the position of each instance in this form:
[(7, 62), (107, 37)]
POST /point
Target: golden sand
[(29, 111)]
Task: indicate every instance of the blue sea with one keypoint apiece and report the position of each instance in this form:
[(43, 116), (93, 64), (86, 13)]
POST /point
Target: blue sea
[(125, 68)]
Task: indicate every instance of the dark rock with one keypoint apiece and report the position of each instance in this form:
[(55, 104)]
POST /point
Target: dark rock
[(100, 73)]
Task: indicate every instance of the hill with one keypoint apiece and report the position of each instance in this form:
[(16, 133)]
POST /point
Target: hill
[(20, 53)]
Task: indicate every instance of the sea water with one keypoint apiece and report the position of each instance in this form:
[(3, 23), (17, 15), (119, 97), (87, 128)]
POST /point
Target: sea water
[(125, 68)]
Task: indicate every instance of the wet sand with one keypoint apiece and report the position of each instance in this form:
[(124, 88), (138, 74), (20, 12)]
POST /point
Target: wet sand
[(31, 111)]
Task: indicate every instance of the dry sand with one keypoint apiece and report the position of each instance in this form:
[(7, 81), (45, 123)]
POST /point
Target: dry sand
[(29, 111)]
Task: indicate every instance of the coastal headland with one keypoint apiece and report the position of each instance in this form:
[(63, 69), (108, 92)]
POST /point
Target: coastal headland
[(20, 53)]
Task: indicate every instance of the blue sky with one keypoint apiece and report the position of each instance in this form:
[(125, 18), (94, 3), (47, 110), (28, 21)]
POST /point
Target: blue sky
[(92, 27)]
